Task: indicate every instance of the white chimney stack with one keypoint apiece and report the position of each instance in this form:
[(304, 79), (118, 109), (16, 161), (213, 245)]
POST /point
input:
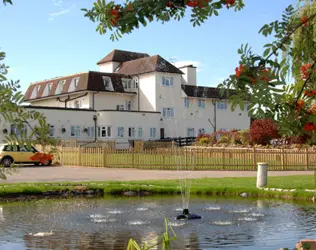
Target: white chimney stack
[(189, 74)]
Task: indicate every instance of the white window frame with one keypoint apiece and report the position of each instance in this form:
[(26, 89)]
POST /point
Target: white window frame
[(77, 102), (167, 81), (221, 105), (140, 132), (168, 112), (153, 132), (201, 131), (128, 83), (131, 132), (90, 132), (76, 131), (120, 131), (51, 130), (106, 129), (35, 91), (201, 103), (128, 105), (60, 87), (119, 107), (186, 102), (191, 132), (107, 83)]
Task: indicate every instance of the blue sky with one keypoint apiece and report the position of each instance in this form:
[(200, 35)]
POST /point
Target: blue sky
[(50, 38)]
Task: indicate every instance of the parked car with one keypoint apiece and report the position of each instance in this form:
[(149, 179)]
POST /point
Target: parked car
[(27, 155)]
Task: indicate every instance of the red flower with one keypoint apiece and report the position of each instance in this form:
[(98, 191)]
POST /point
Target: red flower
[(305, 69), (304, 20), (229, 2), (239, 70), (310, 126), (192, 3), (115, 15)]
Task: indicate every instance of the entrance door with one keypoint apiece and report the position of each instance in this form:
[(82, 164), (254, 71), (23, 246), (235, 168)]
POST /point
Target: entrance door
[(162, 133)]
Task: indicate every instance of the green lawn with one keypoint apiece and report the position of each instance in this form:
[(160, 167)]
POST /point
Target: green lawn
[(208, 186)]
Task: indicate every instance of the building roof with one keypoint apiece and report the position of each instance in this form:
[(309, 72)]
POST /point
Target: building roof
[(89, 81), (203, 92), (121, 56), (147, 65)]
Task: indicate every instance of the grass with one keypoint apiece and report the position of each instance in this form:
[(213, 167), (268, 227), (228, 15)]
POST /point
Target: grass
[(206, 186)]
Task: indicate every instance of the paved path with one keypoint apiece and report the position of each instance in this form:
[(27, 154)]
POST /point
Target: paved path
[(51, 174)]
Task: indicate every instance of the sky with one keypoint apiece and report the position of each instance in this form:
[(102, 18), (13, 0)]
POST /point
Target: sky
[(50, 38)]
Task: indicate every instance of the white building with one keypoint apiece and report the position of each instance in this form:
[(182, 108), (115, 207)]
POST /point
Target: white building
[(133, 96)]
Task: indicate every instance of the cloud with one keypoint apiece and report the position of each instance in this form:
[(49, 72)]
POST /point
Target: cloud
[(197, 64), (58, 3), (61, 12)]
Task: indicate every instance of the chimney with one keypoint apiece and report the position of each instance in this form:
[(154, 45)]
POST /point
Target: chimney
[(189, 74)]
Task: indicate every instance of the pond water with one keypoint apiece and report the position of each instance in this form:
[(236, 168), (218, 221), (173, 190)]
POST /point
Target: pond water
[(108, 223)]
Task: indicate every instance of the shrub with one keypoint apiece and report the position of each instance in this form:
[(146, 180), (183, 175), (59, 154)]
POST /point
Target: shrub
[(263, 131), (244, 136)]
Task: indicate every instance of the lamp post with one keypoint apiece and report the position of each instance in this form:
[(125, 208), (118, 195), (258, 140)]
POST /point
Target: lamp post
[(95, 118)]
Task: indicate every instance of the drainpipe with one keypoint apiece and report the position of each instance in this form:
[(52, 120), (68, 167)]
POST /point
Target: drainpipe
[(95, 128), (71, 99), (93, 94), (138, 93), (214, 103)]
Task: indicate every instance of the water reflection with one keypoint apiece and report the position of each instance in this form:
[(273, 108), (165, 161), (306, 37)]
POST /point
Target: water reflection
[(109, 223)]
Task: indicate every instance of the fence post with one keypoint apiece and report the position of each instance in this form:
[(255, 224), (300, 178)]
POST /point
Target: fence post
[(307, 159), (104, 156), (61, 155), (133, 157), (282, 158), (79, 156), (163, 158), (223, 158), (254, 158)]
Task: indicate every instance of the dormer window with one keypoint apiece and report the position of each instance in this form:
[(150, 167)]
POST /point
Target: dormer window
[(35, 91), (128, 83), (74, 84), (47, 89), (107, 83), (60, 87)]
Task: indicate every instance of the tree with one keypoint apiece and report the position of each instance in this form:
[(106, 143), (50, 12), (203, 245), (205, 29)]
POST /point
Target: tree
[(260, 79), (30, 125)]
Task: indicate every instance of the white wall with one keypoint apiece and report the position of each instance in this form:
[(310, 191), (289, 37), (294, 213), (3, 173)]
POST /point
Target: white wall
[(147, 92), (107, 100), (53, 102), (108, 67), (127, 119)]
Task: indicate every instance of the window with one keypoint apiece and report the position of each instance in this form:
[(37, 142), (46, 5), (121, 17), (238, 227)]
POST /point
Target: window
[(107, 83), (75, 131), (35, 91), (47, 89), (167, 81), (119, 107), (186, 102), (131, 132), (51, 130), (201, 131), (221, 105), (15, 130), (153, 132), (60, 87), (74, 84), (90, 131), (120, 132), (201, 103), (128, 83), (191, 132), (246, 106), (140, 132), (128, 105), (104, 132), (167, 112)]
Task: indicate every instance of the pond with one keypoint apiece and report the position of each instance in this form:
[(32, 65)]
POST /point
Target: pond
[(109, 222)]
